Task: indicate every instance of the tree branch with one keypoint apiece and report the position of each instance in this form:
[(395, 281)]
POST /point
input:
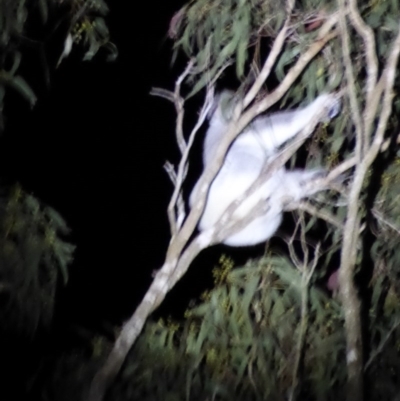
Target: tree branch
[(320, 213), (368, 37), (271, 59), (307, 272), (348, 292), (350, 80), (176, 262)]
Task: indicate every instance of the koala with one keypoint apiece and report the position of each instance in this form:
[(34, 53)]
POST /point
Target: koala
[(258, 144)]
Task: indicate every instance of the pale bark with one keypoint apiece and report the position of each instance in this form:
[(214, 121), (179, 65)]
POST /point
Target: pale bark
[(177, 262)]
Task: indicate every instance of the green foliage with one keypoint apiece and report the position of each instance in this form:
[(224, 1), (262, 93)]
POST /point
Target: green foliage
[(203, 29), (242, 342), (218, 31), (13, 16), (32, 256), (89, 28), (19, 27), (246, 338)]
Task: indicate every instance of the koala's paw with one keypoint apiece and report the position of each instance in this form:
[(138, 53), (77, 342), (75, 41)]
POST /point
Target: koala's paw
[(330, 103), (334, 108), (318, 173)]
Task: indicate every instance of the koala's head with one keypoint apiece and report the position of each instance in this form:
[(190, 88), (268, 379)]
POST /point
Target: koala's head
[(223, 106)]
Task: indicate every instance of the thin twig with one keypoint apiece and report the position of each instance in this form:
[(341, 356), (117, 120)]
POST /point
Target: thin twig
[(320, 213), (176, 201), (271, 59), (379, 216), (368, 37), (305, 282), (350, 79), (303, 241), (381, 345), (351, 232), (179, 217), (179, 102), (183, 164), (292, 252)]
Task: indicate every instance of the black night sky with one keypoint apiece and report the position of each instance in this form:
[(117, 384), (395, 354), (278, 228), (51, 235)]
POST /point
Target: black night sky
[(93, 148)]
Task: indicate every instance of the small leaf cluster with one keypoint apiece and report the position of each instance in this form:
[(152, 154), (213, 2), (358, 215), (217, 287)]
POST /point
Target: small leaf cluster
[(219, 31), (88, 27), (33, 256), (20, 24)]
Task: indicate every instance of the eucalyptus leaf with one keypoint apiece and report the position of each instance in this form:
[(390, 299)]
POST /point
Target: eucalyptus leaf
[(20, 85)]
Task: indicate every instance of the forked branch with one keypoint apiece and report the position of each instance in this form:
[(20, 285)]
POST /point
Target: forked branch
[(177, 261), (380, 92)]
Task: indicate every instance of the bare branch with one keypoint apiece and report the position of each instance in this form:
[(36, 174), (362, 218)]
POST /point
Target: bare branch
[(164, 93), (369, 42), (379, 216), (306, 275), (177, 262), (373, 91), (351, 231), (292, 252), (271, 59), (324, 37), (178, 101), (381, 345), (183, 164), (341, 168), (176, 198), (350, 80), (320, 213), (303, 241), (169, 169), (387, 142), (175, 220), (176, 98)]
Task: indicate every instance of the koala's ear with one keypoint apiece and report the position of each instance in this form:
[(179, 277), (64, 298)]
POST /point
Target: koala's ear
[(222, 105), (214, 106)]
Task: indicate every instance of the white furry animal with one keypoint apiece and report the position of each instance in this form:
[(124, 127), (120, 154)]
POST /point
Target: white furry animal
[(257, 144)]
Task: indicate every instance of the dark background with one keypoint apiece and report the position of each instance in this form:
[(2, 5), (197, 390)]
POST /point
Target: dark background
[(93, 148)]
